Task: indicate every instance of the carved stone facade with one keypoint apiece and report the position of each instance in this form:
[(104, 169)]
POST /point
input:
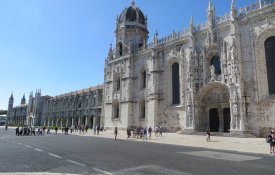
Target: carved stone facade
[(83, 107), (220, 66)]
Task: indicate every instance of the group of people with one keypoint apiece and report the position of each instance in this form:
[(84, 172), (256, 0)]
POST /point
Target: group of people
[(141, 133), (98, 128), (32, 131)]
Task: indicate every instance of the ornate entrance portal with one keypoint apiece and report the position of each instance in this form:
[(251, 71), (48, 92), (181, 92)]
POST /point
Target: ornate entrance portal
[(214, 108)]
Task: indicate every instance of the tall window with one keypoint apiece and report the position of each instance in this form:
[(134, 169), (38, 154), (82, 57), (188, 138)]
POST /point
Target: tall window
[(270, 63), (115, 109), (144, 79), (118, 85), (175, 84), (216, 62), (142, 108), (120, 49)]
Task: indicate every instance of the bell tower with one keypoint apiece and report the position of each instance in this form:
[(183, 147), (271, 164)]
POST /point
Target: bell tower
[(131, 31)]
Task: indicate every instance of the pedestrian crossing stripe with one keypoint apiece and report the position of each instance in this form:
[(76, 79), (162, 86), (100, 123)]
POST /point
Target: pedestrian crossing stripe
[(222, 156)]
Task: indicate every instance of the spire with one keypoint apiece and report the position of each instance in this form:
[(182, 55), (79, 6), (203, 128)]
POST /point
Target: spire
[(110, 54), (232, 4), (11, 101), (133, 4), (192, 21), (156, 38), (191, 25), (210, 5), (23, 100), (211, 13), (233, 11)]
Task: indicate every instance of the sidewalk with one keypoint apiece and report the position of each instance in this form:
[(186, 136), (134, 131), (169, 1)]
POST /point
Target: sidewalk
[(249, 145)]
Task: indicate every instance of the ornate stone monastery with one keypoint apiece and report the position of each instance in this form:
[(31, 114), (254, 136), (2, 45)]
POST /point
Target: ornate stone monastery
[(218, 75)]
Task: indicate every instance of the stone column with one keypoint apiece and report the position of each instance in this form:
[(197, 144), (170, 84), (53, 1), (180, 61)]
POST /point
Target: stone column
[(78, 121), (44, 122), (56, 122), (52, 122), (67, 120), (48, 122), (94, 121), (61, 122), (72, 121), (86, 121)]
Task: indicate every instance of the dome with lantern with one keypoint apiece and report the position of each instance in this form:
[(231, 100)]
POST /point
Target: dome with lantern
[(132, 16)]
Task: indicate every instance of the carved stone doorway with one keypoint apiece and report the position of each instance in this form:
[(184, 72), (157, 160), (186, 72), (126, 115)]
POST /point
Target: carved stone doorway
[(213, 110), (214, 120)]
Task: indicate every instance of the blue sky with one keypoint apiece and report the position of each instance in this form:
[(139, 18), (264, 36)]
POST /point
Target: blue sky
[(60, 46)]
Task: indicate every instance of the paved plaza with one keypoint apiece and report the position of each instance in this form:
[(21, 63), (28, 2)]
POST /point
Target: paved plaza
[(249, 145), (170, 154)]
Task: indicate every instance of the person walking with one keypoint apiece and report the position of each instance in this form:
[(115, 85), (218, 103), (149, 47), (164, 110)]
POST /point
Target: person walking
[(17, 131), (160, 130), (208, 135), (116, 132), (98, 129), (150, 132), (128, 133), (95, 126), (56, 129), (271, 140), (156, 131), (145, 133)]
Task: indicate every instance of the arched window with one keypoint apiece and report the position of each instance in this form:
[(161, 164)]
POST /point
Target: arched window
[(216, 62), (142, 108), (115, 109), (270, 63), (140, 46), (120, 49), (118, 85), (175, 84)]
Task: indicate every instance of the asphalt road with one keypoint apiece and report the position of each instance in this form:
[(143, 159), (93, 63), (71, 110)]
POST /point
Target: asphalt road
[(72, 154)]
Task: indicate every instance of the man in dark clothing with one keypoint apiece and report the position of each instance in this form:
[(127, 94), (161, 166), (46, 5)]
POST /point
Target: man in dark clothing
[(17, 131), (150, 132), (98, 129), (56, 130), (271, 140)]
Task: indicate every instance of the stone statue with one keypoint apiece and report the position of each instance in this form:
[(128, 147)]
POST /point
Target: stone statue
[(235, 109), (212, 71)]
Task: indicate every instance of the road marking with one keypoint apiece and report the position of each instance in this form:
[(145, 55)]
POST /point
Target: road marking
[(39, 150), (222, 156), (27, 146), (54, 155), (19, 143), (101, 171), (77, 163)]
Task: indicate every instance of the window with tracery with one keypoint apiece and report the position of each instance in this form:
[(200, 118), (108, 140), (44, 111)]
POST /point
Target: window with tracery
[(175, 84), (216, 62), (270, 63)]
